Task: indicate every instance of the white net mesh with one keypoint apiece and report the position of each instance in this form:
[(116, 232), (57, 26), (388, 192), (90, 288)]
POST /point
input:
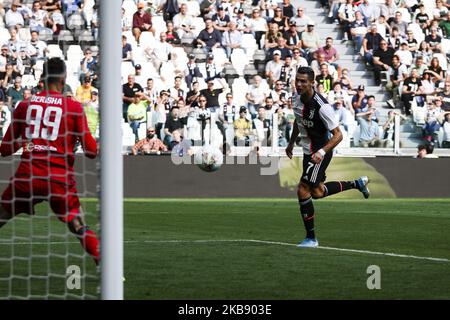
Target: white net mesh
[(40, 254)]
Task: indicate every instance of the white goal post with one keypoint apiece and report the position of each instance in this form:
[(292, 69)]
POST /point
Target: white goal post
[(111, 193)]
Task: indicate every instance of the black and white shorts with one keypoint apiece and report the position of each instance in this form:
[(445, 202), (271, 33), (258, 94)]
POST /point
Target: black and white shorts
[(313, 174)]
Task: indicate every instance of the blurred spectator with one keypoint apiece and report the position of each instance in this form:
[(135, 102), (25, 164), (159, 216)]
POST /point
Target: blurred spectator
[(176, 92), (15, 93), (413, 46), (262, 128), (339, 94), (192, 71), (331, 55), (300, 20), (282, 127), (171, 35), (445, 25), (359, 100), (440, 11), (227, 114), (193, 95), (242, 22), (279, 95), (434, 41), (91, 109), (212, 95), (88, 65), (84, 92), (160, 52), (369, 130), (324, 78), (137, 114), (209, 38), (207, 8), (38, 18), (179, 145), (280, 20), (446, 130), (432, 125), (358, 30), (288, 9), (162, 109), (212, 71), (173, 122), (221, 20), (149, 145), (346, 17), (404, 54), (383, 27), (436, 70), (150, 92), (287, 74), (242, 129), (10, 75), (382, 60), (37, 49), (399, 24), (13, 17), (255, 96), (425, 52), (129, 90), (310, 41), (371, 43), (368, 11), (280, 46), (258, 26), (341, 113), (142, 22), (292, 37), (273, 68), (126, 22), (426, 151), (395, 39), (183, 23), (127, 50), (422, 17), (232, 39), (428, 85), (138, 76), (298, 60), (388, 9), (346, 82), (445, 96), (169, 8), (412, 88)]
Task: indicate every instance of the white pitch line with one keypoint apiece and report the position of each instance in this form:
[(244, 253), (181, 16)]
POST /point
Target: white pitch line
[(396, 255)]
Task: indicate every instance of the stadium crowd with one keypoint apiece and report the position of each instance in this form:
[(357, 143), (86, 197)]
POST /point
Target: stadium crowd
[(222, 72)]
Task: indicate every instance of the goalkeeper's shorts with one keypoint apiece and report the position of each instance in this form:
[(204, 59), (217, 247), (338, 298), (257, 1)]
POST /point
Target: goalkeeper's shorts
[(23, 194)]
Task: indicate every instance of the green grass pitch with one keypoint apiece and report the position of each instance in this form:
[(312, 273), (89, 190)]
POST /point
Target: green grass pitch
[(245, 249)]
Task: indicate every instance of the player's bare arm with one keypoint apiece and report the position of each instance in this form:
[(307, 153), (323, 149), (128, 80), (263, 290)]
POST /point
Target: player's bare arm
[(290, 147), (334, 141)]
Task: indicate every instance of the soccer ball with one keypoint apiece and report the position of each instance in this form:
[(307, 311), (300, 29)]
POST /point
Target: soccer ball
[(209, 158)]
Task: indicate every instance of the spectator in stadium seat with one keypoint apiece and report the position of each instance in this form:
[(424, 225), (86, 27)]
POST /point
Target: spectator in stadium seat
[(173, 122), (24, 63), (368, 10), (371, 43), (126, 22), (255, 96), (183, 23), (436, 70), (172, 35), (227, 114), (232, 39), (271, 37), (397, 73), (149, 145), (422, 17), (369, 129), (169, 8), (242, 21), (273, 69), (13, 17), (38, 18), (388, 10), (208, 8), (242, 129), (398, 23), (412, 88), (440, 11), (212, 95), (426, 151), (221, 20), (212, 71), (142, 22), (127, 51), (446, 129), (432, 125), (287, 74), (288, 9), (444, 24), (37, 49), (310, 41), (342, 114), (445, 97), (270, 107), (88, 65), (160, 52), (300, 19), (395, 39), (262, 129), (193, 95), (84, 92), (297, 59), (280, 20), (425, 52), (15, 93), (192, 72), (359, 100), (324, 78), (413, 46), (346, 17), (129, 90), (292, 37), (404, 54), (382, 60), (340, 94), (315, 65), (150, 92), (176, 92), (358, 30), (258, 26), (137, 114), (281, 46), (209, 38), (180, 146), (434, 41), (330, 53), (278, 95), (282, 127)]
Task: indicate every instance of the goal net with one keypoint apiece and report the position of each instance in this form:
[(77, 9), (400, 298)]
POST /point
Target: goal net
[(40, 254)]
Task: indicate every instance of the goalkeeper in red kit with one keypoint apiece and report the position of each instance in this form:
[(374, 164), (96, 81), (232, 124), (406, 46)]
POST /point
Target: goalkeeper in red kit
[(47, 126)]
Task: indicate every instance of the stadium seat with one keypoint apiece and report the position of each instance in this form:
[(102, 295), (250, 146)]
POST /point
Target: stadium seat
[(54, 51), (239, 60), (46, 35), (406, 15), (29, 81), (199, 25), (445, 44), (147, 38), (24, 34), (159, 25), (239, 88), (219, 57), (75, 22), (130, 7), (126, 69), (4, 35)]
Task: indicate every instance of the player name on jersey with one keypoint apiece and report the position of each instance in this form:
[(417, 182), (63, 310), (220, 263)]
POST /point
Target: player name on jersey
[(47, 100)]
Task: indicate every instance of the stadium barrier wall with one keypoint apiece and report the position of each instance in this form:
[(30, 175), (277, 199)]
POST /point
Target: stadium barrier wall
[(158, 177)]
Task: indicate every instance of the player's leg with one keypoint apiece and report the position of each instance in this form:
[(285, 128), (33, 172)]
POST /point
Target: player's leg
[(305, 201), (5, 216), (66, 205)]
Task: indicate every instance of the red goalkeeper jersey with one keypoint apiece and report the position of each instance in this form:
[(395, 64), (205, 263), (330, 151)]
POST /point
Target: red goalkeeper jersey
[(47, 127)]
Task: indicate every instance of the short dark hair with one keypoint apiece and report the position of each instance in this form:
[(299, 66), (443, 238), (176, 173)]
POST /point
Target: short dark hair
[(308, 71), (328, 38), (54, 70), (370, 97)]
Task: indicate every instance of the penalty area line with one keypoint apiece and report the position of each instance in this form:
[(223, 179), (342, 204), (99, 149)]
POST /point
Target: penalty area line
[(206, 241)]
